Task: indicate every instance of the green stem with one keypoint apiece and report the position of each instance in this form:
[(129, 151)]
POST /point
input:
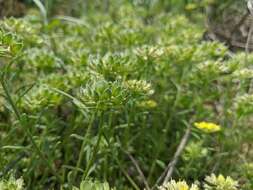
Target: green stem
[(128, 129), (95, 150), (131, 181), (81, 153), (111, 134)]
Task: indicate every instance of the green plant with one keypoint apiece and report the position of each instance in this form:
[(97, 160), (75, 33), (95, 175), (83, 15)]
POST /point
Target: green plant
[(133, 97), (211, 183), (86, 185), (12, 184)]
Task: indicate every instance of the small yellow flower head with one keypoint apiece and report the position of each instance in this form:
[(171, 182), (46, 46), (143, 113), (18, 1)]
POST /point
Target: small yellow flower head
[(147, 104), (180, 185), (173, 185), (207, 127), (183, 186), (191, 6)]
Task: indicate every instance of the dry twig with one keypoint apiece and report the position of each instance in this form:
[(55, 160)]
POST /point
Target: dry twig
[(171, 166), (138, 170)]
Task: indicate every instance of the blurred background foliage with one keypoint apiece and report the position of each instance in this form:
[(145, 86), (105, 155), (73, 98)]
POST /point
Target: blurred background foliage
[(97, 78), (82, 7)]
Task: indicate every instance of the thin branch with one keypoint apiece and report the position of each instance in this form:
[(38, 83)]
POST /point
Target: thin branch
[(171, 166), (239, 24), (179, 151), (249, 38), (138, 170)]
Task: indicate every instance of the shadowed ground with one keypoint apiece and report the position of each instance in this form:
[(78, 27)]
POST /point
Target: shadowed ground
[(230, 24), (11, 8)]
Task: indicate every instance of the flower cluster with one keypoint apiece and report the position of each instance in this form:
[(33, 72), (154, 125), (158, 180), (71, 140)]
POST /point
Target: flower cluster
[(139, 87), (212, 182), (243, 105), (88, 184), (181, 185), (12, 184), (220, 183)]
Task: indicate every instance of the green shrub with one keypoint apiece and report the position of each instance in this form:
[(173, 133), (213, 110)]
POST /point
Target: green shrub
[(110, 97)]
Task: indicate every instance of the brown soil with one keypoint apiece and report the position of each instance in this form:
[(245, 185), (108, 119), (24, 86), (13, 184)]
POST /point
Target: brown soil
[(11, 8), (234, 28)]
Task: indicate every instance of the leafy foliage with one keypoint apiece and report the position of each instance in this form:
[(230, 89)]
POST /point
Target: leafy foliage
[(112, 93), (11, 184)]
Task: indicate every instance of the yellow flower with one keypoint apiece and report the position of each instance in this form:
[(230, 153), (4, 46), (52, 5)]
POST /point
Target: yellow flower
[(191, 6), (148, 104), (181, 185), (207, 127)]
